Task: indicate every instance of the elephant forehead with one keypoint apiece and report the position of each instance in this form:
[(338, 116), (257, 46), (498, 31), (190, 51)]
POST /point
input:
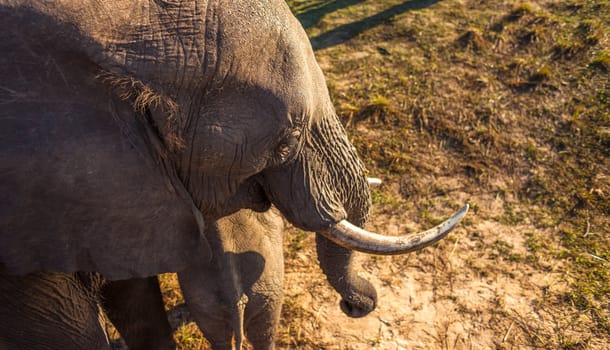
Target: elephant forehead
[(265, 47)]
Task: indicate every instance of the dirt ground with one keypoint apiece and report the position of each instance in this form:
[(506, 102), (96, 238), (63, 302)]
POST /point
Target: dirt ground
[(456, 295)]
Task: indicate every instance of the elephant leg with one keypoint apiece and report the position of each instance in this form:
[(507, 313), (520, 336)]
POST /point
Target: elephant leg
[(218, 333), (207, 303), (213, 318), (135, 307), (50, 311), (261, 329)]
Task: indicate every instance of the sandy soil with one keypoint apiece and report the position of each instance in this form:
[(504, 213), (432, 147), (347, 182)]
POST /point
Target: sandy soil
[(455, 295)]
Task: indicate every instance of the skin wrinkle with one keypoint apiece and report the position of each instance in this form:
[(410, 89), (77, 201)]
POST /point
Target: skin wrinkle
[(235, 162), (181, 34), (210, 53), (57, 300), (193, 113), (186, 48), (186, 176), (186, 41), (353, 165), (218, 57)]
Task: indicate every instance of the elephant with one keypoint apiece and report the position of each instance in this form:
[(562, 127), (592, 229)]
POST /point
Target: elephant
[(239, 292), (127, 126), (242, 290)]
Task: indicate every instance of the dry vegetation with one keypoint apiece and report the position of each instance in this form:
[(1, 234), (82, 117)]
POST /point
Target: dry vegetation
[(502, 104)]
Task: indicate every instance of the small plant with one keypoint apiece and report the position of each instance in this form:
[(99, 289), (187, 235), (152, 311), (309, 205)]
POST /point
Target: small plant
[(567, 49), (601, 62), (519, 11), (589, 32), (541, 75), (189, 337), (473, 39), (296, 243), (502, 247)]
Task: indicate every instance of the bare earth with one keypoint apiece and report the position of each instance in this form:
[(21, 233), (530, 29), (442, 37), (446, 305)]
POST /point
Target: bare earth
[(458, 294), (451, 296)]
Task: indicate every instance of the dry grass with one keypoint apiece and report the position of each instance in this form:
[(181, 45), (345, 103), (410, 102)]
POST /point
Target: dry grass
[(504, 104)]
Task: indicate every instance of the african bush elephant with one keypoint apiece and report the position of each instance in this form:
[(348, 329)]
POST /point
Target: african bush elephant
[(241, 290), (125, 126)]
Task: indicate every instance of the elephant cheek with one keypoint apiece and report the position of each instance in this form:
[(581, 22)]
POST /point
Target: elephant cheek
[(302, 198)]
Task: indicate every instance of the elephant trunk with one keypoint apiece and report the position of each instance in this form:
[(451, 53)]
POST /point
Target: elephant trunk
[(358, 295), (325, 185), (325, 190)]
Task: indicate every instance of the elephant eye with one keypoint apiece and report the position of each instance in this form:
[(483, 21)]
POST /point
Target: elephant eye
[(283, 152), (287, 148)]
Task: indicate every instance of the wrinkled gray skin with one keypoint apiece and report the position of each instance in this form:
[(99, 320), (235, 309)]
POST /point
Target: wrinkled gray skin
[(126, 125), (241, 290), (62, 311), (25, 300)]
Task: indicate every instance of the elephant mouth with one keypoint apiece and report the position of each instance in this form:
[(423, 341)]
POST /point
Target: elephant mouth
[(257, 199), (350, 236)]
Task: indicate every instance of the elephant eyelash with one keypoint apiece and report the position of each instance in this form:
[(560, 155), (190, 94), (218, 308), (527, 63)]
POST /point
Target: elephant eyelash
[(283, 152), (286, 149)]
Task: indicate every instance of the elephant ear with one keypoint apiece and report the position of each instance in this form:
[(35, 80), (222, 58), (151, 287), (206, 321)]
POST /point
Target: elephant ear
[(82, 187)]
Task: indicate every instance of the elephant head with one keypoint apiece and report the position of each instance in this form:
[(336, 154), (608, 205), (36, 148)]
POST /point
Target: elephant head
[(234, 108)]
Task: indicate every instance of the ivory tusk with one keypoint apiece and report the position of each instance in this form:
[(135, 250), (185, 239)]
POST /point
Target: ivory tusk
[(353, 237), (374, 182)]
